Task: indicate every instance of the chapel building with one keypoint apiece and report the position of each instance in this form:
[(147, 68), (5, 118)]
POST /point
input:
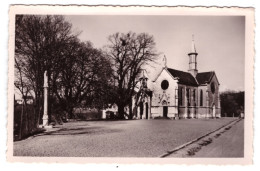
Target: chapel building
[(178, 94)]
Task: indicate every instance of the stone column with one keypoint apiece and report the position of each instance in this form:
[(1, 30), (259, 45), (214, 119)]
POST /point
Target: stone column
[(45, 117)]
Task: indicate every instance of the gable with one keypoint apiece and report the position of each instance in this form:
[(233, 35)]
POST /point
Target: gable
[(205, 77), (214, 79), (163, 73)]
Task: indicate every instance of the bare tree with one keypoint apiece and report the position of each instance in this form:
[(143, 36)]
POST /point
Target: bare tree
[(21, 83), (39, 46), (76, 70), (129, 53)]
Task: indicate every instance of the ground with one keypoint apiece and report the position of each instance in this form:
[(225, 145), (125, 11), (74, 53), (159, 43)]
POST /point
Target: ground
[(135, 138), (218, 148)]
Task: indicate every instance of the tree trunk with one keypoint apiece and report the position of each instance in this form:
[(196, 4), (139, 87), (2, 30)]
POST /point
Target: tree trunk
[(27, 121), (135, 111), (130, 110), (70, 112), (21, 124), (38, 107), (120, 111)]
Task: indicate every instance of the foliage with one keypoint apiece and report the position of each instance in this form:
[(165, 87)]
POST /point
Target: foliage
[(76, 70), (232, 103), (79, 75), (39, 45)]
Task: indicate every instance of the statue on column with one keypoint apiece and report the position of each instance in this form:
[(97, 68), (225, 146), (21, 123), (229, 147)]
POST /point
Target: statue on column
[(165, 61), (45, 118)]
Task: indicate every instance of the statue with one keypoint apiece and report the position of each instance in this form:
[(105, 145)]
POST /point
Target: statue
[(45, 79), (165, 61), (45, 118)]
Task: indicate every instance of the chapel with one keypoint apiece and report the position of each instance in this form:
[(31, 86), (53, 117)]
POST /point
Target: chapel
[(179, 94)]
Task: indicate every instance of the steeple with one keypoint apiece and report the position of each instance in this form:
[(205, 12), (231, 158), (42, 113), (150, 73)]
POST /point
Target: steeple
[(193, 59), (143, 79), (193, 48)]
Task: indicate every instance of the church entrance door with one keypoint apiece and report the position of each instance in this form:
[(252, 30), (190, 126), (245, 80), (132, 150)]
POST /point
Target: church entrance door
[(141, 110), (165, 111)]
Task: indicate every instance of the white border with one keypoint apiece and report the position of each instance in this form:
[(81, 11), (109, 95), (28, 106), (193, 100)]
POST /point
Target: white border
[(101, 10)]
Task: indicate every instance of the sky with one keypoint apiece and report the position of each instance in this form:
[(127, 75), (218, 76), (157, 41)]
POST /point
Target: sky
[(219, 40)]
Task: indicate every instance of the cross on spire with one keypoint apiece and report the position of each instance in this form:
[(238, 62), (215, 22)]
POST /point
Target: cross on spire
[(193, 49)]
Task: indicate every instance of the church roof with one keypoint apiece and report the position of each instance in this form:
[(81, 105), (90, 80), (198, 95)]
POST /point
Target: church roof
[(204, 77), (184, 77)]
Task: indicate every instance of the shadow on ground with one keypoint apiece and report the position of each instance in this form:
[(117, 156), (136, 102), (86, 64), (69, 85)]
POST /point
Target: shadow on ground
[(79, 131)]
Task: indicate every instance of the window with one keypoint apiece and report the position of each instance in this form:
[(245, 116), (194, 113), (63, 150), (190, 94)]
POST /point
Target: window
[(164, 84), (201, 98), (194, 97), (180, 96), (188, 96), (213, 88)]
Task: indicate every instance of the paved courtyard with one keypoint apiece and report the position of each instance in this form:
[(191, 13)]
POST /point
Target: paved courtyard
[(135, 138)]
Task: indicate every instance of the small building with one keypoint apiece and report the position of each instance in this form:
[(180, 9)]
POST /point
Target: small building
[(109, 112)]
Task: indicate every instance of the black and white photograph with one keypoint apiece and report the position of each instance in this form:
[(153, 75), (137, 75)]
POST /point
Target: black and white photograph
[(161, 83)]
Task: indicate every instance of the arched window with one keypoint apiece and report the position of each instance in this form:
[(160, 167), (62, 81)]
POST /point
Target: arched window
[(188, 96), (180, 96), (201, 98), (194, 97)]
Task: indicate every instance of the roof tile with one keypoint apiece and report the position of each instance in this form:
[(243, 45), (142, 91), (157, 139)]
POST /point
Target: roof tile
[(184, 77), (204, 77)]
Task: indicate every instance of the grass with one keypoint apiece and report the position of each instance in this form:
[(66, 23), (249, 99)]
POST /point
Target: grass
[(193, 150)]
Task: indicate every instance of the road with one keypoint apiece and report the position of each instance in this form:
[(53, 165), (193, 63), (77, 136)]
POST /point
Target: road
[(229, 144), (135, 138)]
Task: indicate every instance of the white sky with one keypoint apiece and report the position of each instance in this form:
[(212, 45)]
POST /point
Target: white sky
[(219, 40)]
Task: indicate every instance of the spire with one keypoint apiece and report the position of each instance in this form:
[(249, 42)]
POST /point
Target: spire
[(193, 48), (193, 59)]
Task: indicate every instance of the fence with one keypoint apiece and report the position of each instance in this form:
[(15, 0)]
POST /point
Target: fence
[(25, 121)]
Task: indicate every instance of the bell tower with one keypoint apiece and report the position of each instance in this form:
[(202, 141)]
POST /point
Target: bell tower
[(143, 81), (193, 59)]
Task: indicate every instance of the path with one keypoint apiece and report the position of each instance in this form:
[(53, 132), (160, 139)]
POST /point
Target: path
[(225, 142), (230, 144)]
